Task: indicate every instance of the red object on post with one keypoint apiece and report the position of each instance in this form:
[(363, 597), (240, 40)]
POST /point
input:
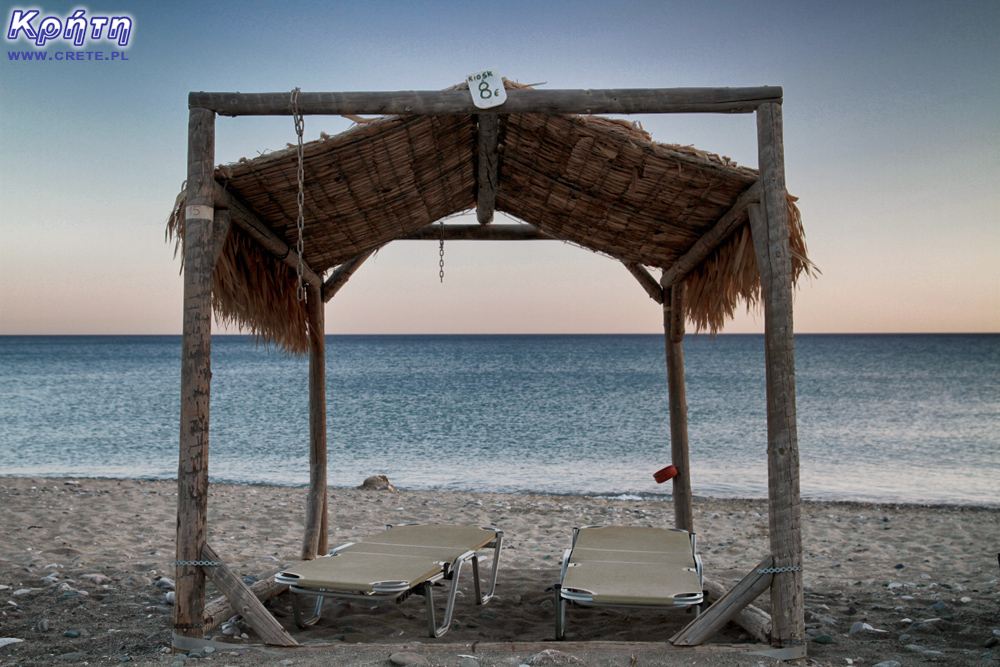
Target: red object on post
[(663, 475)]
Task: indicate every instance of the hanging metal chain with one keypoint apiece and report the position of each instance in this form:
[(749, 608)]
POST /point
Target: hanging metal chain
[(441, 254), (300, 246)]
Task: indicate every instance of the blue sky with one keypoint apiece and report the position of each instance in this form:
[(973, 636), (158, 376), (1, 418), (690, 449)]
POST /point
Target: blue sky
[(892, 144)]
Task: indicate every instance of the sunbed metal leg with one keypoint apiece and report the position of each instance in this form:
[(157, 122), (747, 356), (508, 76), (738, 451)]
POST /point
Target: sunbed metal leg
[(475, 580), (429, 599), (560, 610), (497, 546), (298, 611)]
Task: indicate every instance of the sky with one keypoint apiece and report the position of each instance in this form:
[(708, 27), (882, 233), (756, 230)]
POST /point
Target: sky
[(891, 131)]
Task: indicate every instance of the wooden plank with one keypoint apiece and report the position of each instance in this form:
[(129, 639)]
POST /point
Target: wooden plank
[(244, 601), (532, 647), (488, 174), (726, 608), (316, 500), (450, 102), (220, 232), (221, 609), (342, 274), (753, 619), (711, 239), (647, 281), (261, 232), (769, 226), (673, 325), (493, 232), (196, 374)]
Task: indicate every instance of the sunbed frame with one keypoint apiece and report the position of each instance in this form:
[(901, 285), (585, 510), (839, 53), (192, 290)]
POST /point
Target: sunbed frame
[(444, 563), (625, 558)]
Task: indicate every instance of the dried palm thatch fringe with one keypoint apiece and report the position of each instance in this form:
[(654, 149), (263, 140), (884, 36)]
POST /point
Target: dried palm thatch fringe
[(252, 290), (598, 183), (729, 275)]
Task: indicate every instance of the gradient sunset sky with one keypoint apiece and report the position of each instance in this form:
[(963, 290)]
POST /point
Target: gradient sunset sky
[(892, 144)]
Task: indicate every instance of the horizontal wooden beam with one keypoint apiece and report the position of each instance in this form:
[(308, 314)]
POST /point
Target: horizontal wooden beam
[(488, 174), (342, 274), (494, 232), (262, 233), (449, 102), (709, 241), (647, 281)]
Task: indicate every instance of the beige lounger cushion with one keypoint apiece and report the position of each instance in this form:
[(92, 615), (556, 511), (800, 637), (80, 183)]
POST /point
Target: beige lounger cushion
[(410, 554), (626, 565), (360, 571)]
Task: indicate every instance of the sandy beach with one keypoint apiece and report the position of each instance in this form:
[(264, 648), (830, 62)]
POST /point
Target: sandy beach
[(79, 560)]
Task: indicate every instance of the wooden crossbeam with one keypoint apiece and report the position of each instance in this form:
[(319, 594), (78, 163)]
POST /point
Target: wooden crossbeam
[(261, 232), (488, 176), (244, 601), (477, 232), (727, 607), (647, 281), (709, 241), (451, 102), (342, 274)]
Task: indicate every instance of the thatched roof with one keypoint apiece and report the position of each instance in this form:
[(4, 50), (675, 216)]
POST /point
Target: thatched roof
[(599, 183)]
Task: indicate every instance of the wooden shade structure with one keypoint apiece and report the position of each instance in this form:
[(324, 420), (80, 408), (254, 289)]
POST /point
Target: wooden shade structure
[(717, 233)]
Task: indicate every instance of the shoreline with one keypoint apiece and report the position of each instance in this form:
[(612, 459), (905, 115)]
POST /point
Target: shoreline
[(626, 496), (874, 564)]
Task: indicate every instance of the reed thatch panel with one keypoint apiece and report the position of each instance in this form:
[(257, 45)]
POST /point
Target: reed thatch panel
[(365, 187), (603, 184)]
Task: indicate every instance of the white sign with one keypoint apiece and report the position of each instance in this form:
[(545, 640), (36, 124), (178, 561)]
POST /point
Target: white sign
[(487, 89)]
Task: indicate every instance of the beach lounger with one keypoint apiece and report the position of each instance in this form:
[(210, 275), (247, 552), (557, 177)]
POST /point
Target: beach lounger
[(618, 566), (394, 564)]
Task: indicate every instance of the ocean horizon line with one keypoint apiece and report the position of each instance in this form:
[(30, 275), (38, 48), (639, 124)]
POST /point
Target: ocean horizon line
[(693, 335)]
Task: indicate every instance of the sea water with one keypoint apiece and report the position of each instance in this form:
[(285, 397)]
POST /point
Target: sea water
[(883, 418)]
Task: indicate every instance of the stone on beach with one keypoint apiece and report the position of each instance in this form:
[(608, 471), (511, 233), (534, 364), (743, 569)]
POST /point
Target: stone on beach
[(378, 483)]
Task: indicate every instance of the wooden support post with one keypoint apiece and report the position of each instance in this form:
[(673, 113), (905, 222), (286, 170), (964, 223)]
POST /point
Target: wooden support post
[(673, 325), (196, 374), (312, 544), (244, 601), (726, 608), (769, 226), (220, 231), (488, 174)]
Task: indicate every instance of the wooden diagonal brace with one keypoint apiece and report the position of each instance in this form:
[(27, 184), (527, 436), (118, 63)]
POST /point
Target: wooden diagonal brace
[(726, 608), (261, 232), (709, 241), (244, 601), (342, 274), (647, 281)]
